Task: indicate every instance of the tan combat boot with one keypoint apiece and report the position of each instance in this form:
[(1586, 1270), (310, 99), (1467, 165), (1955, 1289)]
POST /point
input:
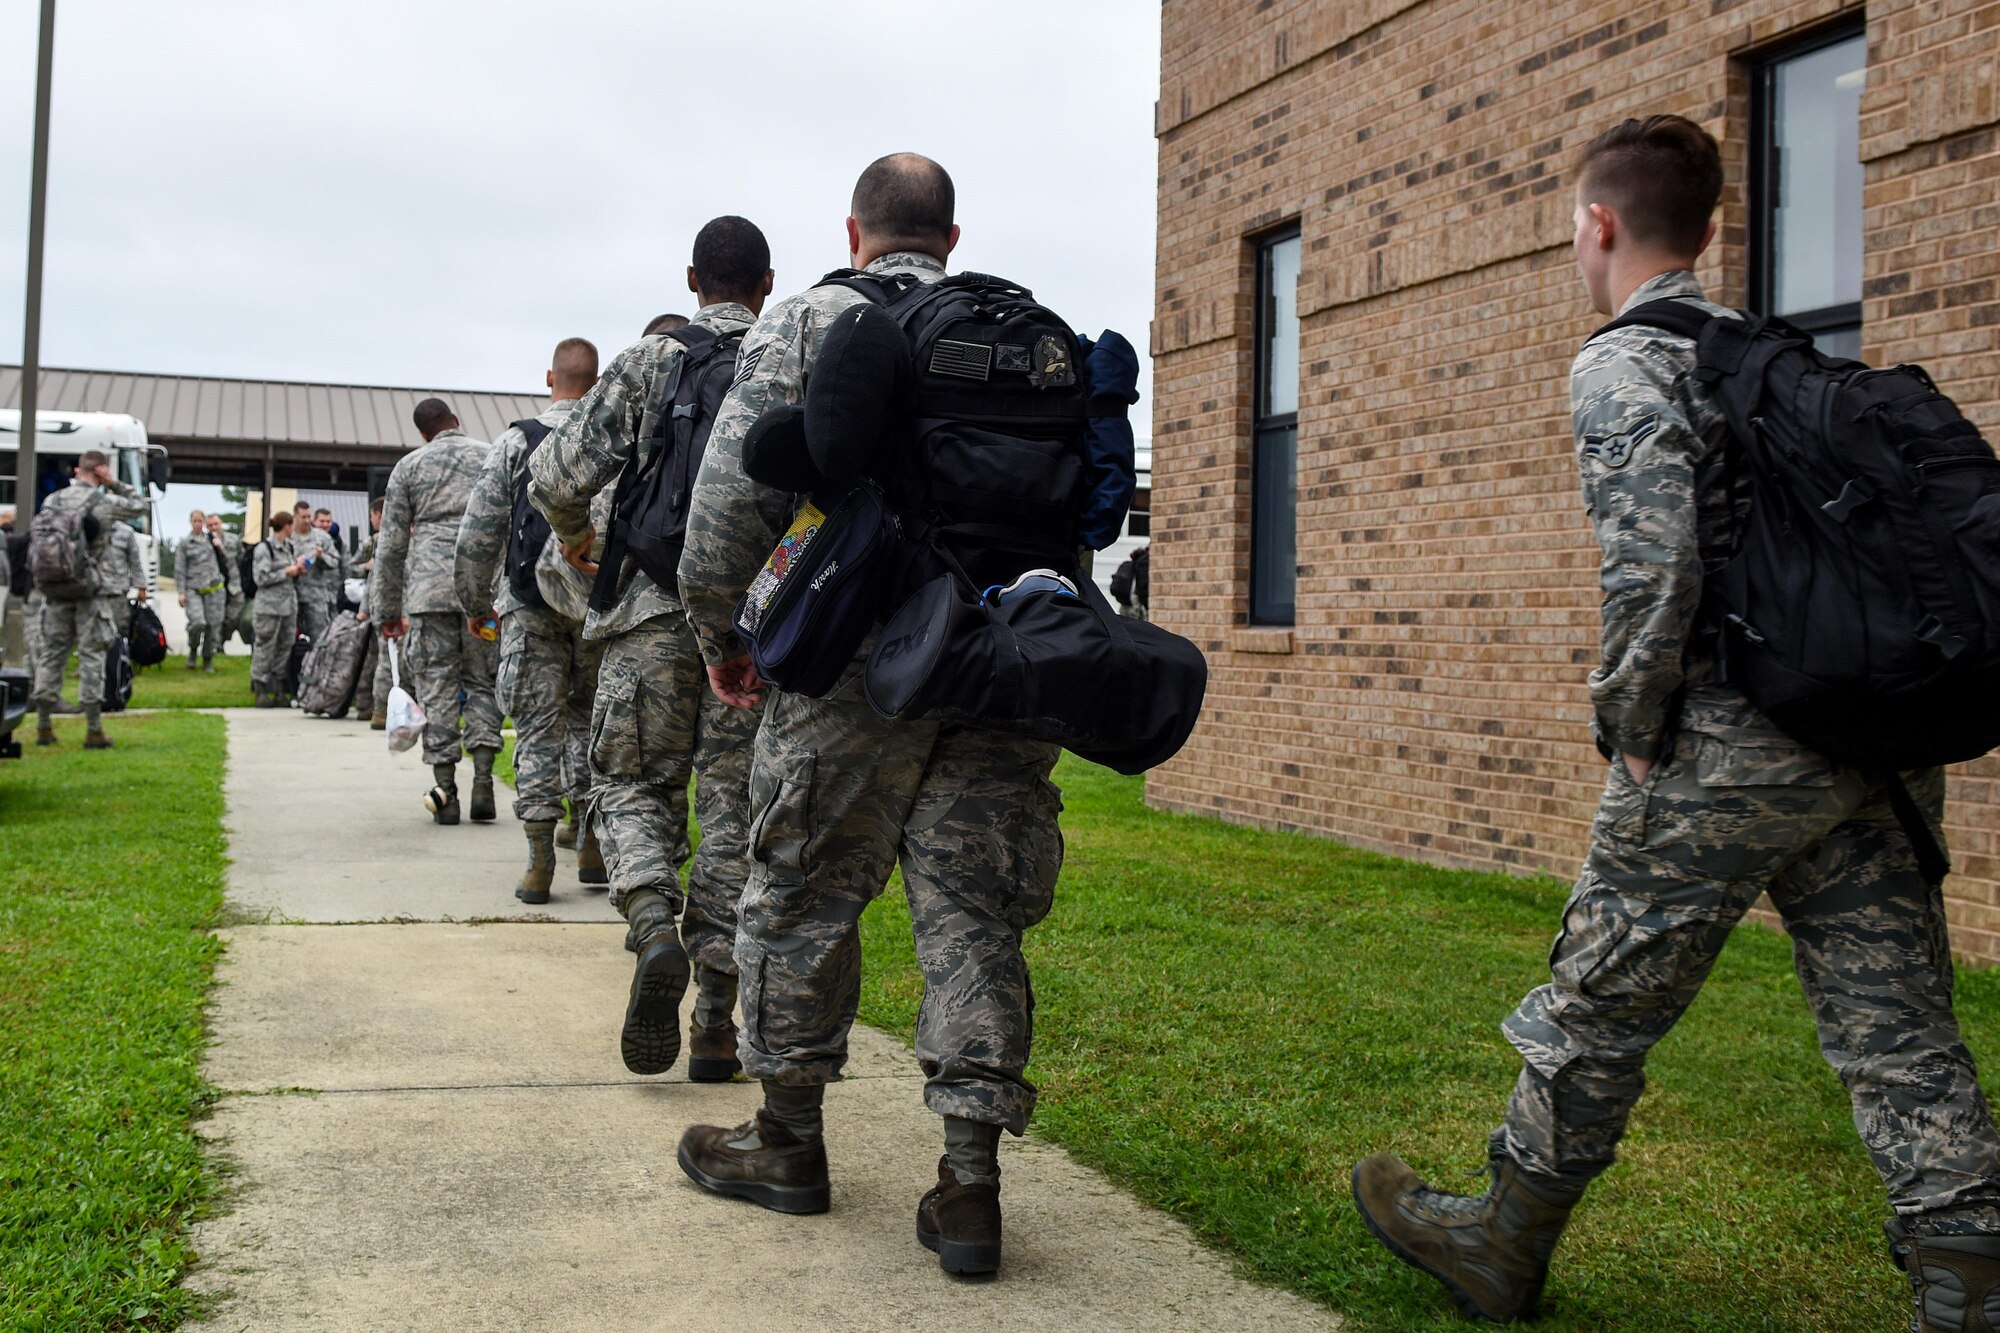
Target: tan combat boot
[(1491, 1251), (566, 831), (590, 869), (1954, 1280), (541, 871)]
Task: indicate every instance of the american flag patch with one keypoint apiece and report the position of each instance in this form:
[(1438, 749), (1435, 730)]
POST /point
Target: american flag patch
[(972, 361)]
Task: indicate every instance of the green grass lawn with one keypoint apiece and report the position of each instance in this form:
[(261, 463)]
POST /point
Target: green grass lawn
[(1228, 1019), (111, 867), (172, 685)]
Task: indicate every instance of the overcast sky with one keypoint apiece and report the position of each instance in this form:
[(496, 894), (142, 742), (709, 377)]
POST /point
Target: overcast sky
[(421, 192)]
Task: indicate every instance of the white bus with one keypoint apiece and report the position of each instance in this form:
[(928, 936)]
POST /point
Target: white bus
[(61, 437)]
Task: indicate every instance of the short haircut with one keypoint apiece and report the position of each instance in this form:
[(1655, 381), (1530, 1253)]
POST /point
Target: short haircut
[(90, 457), (318, 512), (905, 199), (375, 505), (731, 258), (1662, 176), (431, 415), (574, 361), (303, 504), (665, 324), (280, 521)]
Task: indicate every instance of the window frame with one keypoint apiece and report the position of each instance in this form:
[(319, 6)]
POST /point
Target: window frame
[(1763, 205), (1263, 611)]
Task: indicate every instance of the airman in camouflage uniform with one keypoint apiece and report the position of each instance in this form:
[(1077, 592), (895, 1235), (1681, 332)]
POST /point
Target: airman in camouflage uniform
[(1706, 806), (200, 574), (232, 568), (275, 569), (654, 722), (372, 696), (548, 670), (414, 601), (82, 624), (838, 794), (319, 585)]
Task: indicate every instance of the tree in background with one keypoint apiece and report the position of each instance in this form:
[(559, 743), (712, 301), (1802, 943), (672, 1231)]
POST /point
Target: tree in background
[(238, 496)]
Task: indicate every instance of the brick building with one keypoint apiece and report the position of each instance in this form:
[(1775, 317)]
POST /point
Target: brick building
[(1365, 507)]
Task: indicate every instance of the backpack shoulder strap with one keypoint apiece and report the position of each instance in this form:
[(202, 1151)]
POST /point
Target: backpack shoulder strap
[(692, 336), (535, 431), (1671, 315)]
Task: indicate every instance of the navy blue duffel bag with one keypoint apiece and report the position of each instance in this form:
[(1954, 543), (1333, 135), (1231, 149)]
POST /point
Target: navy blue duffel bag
[(820, 592)]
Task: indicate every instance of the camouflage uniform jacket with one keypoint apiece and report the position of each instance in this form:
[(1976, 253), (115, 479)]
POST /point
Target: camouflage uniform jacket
[(109, 505), (122, 568), (420, 518), (1650, 448), (733, 522), (323, 579), (232, 558), (198, 564), (483, 534), (362, 569), (587, 453), (277, 592)]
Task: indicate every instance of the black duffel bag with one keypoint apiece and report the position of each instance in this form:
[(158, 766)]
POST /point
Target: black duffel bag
[(821, 591), (1038, 660)]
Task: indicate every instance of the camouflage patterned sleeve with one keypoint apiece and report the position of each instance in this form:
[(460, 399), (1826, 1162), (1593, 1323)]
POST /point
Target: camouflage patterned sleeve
[(1637, 452), (483, 532), (393, 553), (119, 501), (733, 522), (267, 565), (586, 453)]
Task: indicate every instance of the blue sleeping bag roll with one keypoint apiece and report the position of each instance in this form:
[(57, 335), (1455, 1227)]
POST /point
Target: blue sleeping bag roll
[(1111, 379)]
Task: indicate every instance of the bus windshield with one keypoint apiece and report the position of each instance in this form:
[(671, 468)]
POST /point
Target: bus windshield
[(132, 471)]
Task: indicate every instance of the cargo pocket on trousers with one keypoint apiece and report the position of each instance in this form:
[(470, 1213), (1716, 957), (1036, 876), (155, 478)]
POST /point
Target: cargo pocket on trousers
[(1761, 760), (1036, 844), (507, 679), (1621, 810), (781, 812), (615, 746)]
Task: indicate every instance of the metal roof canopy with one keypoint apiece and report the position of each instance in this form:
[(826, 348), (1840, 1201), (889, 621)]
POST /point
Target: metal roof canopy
[(268, 432)]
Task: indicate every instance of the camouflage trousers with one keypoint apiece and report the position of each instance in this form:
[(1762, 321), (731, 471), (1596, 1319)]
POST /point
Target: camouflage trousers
[(232, 619), (546, 683), (206, 628), (653, 725), (449, 670), (372, 682), (271, 646), (1673, 865), (838, 795), (83, 625), (31, 630)]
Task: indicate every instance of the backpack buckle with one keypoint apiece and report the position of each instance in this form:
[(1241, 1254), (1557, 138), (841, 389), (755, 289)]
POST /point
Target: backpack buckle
[(1746, 629), (1852, 496), (683, 411), (1932, 631)]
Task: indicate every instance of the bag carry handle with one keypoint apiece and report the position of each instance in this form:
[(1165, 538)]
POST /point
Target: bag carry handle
[(395, 676), (1932, 862)]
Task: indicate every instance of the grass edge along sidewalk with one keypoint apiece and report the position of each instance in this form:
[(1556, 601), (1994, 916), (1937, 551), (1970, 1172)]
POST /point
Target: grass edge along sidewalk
[(1229, 1018), (111, 873)]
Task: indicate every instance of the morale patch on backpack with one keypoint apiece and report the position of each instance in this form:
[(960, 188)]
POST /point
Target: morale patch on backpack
[(748, 363), (1616, 450), (972, 361), (1052, 364), (1012, 356), (791, 548)]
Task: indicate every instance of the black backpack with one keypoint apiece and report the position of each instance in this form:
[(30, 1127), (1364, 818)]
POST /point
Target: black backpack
[(994, 464), (145, 636), (59, 539), (246, 569), (528, 531), (649, 519), (1859, 606), (117, 675)]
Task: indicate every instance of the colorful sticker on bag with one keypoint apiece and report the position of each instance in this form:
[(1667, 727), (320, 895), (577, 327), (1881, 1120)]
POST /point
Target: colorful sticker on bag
[(789, 550)]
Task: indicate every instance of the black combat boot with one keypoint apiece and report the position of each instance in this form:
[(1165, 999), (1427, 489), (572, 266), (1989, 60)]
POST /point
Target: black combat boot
[(712, 1029), (651, 1038), (1954, 1280), (959, 1218), (541, 871), (442, 800), (1491, 1251), (482, 786), (759, 1160)]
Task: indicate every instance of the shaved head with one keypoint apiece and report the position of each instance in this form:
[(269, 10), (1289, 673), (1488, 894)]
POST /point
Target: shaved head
[(904, 202), (432, 415), (573, 367)]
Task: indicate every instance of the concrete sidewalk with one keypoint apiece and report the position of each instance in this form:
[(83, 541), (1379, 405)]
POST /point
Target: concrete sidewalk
[(431, 1127)]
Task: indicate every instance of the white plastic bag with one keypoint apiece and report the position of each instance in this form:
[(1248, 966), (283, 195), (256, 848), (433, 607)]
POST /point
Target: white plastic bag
[(356, 589), (406, 715)]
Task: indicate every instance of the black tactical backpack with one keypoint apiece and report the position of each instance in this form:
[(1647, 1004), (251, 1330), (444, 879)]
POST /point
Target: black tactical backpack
[(59, 552), (994, 463), (1860, 605), (527, 530), (649, 518)]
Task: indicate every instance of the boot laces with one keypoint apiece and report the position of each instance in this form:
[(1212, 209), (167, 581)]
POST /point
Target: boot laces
[(1448, 1207)]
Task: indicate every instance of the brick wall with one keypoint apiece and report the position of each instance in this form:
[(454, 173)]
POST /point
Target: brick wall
[(1429, 700)]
